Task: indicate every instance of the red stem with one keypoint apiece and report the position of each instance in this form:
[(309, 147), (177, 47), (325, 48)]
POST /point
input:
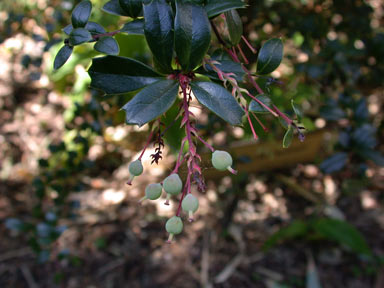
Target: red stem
[(146, 145), (97, 36)]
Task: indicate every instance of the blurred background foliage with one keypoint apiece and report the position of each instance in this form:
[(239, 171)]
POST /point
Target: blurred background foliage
[(68, 219)]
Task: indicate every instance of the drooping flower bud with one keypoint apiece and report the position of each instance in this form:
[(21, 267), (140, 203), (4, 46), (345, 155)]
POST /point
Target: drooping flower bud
[(190, 204), (172, 186), (135, 169), (152, 192), (173, 226), (222, 161)]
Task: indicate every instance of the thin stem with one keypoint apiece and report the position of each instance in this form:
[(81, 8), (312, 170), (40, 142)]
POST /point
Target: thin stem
[(250, 123), (146, 145), (113, 33), (260, 123), (248, 44), (205, 143), (186, 188)]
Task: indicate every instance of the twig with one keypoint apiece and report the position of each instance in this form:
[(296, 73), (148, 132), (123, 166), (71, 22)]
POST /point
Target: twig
[(204, 275), (28, 276), (16, 254)]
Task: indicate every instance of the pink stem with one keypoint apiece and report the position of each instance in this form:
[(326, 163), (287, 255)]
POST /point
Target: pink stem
[(97, 36), (242, 54), (259, 121), (146, 145), (250, 123), (205, 143), (248, 44)]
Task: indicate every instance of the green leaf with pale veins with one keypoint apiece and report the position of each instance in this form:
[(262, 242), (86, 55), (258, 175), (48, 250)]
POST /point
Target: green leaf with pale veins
[(270, 56), (192, 34), (158, 30), (288, 137), (107, 45), (218, 100), (216, 7), (116, 75), (297, 111), (62, 56), (151, 102), (79, 36), (81, 13)]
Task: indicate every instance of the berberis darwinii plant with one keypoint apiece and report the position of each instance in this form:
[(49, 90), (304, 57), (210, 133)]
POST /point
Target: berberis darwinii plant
[(178, 34)]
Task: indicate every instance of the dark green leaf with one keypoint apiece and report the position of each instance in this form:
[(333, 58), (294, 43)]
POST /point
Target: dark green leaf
[(373, 155), (158, 29), (216, 7), (79, 36), (192, 34), (235, 26), (151, 102), (62, 56), (92, 27), (297, 111), (270, 56), (135, 27), (113, 7), (343, 233), (132, 7), (107, 45), (334, 163), (288, 137), (256, 107), (225, 64), (81, 13), (294, 230), (116, 75), (218, 100), (364, 136)]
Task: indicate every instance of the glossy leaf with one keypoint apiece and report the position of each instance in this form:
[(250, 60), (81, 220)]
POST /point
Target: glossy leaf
[(79, 36), (256, 107), (192, 34), (343, 233), (116, 75), (216, 7), (81, 13), (334, 163), (107, 45), (225, 64), (158, 30), (62, 56), (270, 56), (287, 140), (151, 102), (132, 7), (135, 27), (235, 26), (113, 7), (218, 100), (297, 111), (92, 27)]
